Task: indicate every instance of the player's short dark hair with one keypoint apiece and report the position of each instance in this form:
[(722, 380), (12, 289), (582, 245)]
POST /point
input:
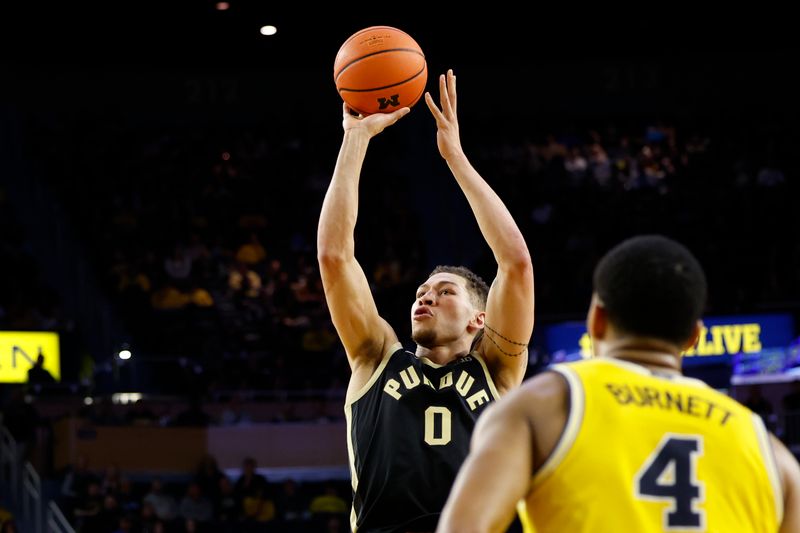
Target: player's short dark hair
[(652, 286), (478, 289)]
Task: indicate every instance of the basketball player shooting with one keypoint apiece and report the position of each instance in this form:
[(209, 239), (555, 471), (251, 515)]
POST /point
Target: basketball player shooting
[(410, 415)]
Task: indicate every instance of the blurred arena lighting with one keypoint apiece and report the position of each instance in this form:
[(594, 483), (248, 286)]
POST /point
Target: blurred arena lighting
[(125, 397), (88, 400), (125, 354), (268, 30), (222, 6)]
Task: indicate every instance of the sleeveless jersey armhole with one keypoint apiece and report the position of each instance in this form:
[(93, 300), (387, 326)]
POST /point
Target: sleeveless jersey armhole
[(770, 463), (571, 428), (375, 375)]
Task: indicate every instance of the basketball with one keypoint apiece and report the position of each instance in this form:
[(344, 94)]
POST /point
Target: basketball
[(379, 70)]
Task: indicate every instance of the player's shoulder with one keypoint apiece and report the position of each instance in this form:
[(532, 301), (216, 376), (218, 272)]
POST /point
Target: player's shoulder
[(541, 402), (547, 389)]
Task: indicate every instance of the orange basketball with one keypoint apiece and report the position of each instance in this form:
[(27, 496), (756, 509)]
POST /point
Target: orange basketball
[(380, 69)]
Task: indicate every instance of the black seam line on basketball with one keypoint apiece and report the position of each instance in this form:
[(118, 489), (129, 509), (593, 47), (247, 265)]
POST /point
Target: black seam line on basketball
[(387, 86), (419, 95), (353, 62)]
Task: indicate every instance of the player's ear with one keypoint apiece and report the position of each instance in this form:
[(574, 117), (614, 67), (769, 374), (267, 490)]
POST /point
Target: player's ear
[(597, 319), (697, 330), (478, 320)]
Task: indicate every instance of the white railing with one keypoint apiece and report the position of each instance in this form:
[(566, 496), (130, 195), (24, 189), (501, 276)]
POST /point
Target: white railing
[(9, 464), (32, 498), (24, 487), (56, 523)]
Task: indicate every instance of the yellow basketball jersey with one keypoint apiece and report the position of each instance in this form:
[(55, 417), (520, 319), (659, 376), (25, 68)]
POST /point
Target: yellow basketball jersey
[(649, 453)]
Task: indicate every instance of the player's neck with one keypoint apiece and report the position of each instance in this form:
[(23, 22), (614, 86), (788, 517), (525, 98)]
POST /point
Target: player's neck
[(441, 355), (650, 353)]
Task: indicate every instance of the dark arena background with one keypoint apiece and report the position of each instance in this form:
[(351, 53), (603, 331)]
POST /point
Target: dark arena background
[(162, 168)]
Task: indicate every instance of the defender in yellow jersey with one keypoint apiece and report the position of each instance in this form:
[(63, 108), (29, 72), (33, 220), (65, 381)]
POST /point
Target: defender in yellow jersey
[(624, 442)]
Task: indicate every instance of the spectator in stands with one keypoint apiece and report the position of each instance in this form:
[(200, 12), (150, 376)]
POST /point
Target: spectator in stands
[(193, 416), (226, 506), (147, 518), (111, 480), (328, 503), (102, 413), (168, 298), (141, 415), (179, 265), (106, 520), (128, 502), (75, 487), (243, 281), (250, 482), (195, 507), (163, 503), (251, 252), (89, 506), (38, 374), (291, 505), (234, 413), (208, 475), (257, 509)]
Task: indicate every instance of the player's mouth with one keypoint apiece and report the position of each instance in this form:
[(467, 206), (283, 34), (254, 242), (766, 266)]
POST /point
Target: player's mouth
[(422, 312)]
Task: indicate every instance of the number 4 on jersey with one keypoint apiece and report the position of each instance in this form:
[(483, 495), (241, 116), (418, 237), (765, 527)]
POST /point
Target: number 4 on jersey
[(670, 474)]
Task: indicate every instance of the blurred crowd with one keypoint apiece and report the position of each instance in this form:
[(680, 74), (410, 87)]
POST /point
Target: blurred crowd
[(204, 237)]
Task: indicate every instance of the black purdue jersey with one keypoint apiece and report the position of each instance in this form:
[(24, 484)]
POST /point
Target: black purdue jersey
[(408, 431)]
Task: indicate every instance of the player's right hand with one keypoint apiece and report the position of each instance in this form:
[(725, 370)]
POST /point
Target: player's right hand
[(372, 124)]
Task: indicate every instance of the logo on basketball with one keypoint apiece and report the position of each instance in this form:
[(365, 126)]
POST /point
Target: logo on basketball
[(393, 100)]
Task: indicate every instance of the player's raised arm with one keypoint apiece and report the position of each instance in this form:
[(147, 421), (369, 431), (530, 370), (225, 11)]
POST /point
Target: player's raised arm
[(509, 307), (362, 331)]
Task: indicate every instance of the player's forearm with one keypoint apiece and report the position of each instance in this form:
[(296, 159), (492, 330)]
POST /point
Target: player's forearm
[(470, 516), (337, 219), (495, 221), (464, 524)]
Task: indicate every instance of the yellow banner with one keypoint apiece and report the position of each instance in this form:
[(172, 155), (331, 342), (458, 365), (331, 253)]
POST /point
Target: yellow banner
[(19, 351), (721, 339)]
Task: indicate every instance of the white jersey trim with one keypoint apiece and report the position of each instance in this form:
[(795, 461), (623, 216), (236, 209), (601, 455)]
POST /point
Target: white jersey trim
[(771, 465), (571, 428)]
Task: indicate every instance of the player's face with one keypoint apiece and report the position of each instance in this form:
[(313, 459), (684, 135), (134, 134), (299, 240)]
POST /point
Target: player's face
[(442, 310)]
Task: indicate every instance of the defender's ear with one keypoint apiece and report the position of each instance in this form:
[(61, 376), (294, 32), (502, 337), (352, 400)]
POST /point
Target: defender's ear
[(696, 332), (597, 319)]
